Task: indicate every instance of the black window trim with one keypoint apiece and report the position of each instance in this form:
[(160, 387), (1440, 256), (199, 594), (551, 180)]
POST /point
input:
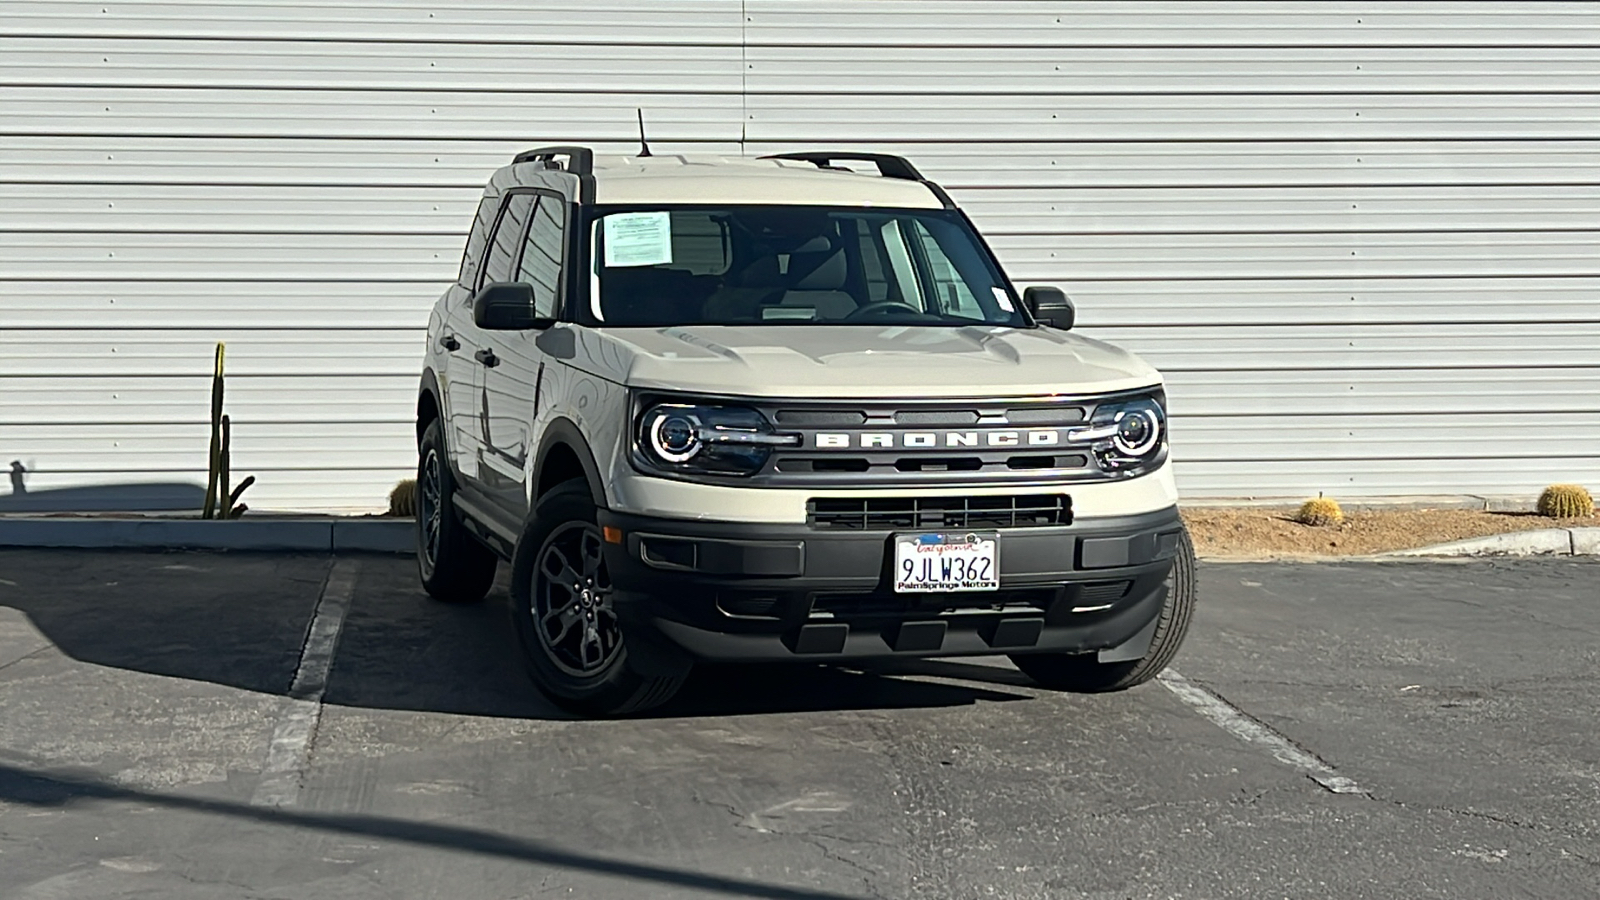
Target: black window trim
[(563, 288)]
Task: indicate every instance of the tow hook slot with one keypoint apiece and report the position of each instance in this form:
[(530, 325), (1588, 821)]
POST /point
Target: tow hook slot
[(819, 638), (916, 636), (1014, 632)]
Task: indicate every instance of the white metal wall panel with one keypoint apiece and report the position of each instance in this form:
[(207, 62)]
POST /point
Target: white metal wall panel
[(1362, 239), (295, 179)]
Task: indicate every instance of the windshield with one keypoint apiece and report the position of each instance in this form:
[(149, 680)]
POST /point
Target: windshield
[(792, 265)]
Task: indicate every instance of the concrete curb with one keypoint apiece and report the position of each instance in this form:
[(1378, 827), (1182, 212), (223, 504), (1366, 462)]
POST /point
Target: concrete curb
[(1543, 542), (1484, 502), (381, 535), (321, 535)]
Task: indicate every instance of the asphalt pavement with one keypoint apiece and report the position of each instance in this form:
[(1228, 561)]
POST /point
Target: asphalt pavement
[(166, 732)]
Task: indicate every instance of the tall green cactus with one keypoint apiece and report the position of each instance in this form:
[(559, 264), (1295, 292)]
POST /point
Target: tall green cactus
[(220, 502), (215, 483)]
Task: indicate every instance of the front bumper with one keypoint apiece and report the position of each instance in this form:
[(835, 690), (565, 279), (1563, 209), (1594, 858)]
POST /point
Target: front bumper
[(746, 592)]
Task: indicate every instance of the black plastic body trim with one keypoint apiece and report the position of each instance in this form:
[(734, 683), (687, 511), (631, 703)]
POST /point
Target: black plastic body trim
[(746, 592), (429, 386), (580, 160), (483, 520), (889, 165), (563, 431), (944, 198)]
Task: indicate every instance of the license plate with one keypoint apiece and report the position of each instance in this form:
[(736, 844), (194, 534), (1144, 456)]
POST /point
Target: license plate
[(950, 561)]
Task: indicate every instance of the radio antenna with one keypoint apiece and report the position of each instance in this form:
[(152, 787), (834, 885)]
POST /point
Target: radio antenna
[(644, 145)]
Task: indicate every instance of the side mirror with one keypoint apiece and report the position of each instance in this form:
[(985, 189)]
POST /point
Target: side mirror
[(506, 306), (1050, 306)]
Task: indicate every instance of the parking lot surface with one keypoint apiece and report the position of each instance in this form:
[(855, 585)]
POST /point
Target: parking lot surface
[(168, 730)]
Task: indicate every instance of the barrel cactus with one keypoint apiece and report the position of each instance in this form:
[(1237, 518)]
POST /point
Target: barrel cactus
[(1566, 501), (403, 499), (1321, 511)]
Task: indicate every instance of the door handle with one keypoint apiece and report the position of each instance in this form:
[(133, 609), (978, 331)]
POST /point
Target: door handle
[(488, 358), (450, 343)]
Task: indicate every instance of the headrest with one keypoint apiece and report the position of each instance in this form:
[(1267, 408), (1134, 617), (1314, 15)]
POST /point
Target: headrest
[(818, 244), (818, 271)]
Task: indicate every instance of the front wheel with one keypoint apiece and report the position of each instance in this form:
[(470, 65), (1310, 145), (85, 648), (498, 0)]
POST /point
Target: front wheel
[(573, 644), (1083, 672)]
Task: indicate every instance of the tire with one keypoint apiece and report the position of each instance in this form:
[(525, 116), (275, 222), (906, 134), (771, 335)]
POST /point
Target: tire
[(573, 645), (453, 565), (1083, 673)]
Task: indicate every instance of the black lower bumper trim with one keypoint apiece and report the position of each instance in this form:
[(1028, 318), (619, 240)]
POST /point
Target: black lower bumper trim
[(734, 591)]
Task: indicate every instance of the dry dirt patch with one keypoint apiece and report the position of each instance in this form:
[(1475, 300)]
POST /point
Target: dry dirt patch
[(1258, 532)]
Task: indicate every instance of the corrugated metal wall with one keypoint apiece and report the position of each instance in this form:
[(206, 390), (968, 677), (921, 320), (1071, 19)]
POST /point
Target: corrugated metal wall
[(1360, 238)]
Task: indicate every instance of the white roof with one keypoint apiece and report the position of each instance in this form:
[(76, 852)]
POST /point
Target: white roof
[(719, 179)]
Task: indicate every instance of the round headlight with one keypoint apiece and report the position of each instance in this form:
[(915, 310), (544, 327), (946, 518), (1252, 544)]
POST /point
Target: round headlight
[(1138, 430), (675, 436)]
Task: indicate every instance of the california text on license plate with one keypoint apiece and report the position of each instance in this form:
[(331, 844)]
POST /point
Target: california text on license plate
[(950, 561)]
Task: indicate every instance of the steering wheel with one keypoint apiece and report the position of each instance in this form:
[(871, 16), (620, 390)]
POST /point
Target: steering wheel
[(882, 306)]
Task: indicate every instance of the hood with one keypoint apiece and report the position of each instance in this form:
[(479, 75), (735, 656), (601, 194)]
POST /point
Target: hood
[(801, 361)]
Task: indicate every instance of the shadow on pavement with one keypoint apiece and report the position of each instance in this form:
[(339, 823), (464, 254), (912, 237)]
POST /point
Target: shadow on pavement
[(748, 690), (240, 619), (232, 619), (160, 497), (53, 791)]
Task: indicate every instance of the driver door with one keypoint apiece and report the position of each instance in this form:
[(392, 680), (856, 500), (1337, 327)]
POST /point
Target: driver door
[(496, 356)]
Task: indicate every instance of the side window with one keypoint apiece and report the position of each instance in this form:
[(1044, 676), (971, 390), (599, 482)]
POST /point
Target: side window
[(953, 295), (894, 246), (500, 260), (472, 257), (540, 265)]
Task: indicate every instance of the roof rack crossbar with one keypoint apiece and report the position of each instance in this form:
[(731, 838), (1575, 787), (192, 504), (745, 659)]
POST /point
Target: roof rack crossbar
[(579, 160), (889, 165)]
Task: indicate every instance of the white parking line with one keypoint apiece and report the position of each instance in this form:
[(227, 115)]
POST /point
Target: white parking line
[(1234, 721), (290, 749)]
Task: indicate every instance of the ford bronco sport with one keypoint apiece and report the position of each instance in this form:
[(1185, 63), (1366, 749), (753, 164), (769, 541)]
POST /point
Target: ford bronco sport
[(781, 409)]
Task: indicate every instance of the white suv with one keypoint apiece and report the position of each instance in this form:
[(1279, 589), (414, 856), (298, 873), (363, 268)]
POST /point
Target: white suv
[(776, 409)]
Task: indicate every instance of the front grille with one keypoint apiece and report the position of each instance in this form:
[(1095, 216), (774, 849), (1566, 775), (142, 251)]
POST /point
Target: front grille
[(887, 513), (929, 442), (1061, 465), (928, 417), (819, 418)]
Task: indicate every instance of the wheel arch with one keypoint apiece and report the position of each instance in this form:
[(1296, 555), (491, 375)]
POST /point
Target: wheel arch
[(428, 407), (564, 454)]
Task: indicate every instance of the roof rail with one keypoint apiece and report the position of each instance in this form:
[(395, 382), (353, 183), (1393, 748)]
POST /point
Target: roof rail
[(889, 165), (579, 160)]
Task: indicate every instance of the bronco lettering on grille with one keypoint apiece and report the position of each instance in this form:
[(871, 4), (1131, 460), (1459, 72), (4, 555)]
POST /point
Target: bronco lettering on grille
[(929, 440)]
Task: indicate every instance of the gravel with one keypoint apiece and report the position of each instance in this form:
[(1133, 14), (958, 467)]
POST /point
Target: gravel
[(1272, 532)]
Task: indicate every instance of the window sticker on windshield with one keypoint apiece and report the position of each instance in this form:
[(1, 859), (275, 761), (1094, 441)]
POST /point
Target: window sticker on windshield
[(1004, 299), (638, 239)]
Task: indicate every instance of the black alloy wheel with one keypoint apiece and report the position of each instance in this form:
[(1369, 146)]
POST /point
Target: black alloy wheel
[(572, 601), (430, 508), (452, 564), (578, 651)]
